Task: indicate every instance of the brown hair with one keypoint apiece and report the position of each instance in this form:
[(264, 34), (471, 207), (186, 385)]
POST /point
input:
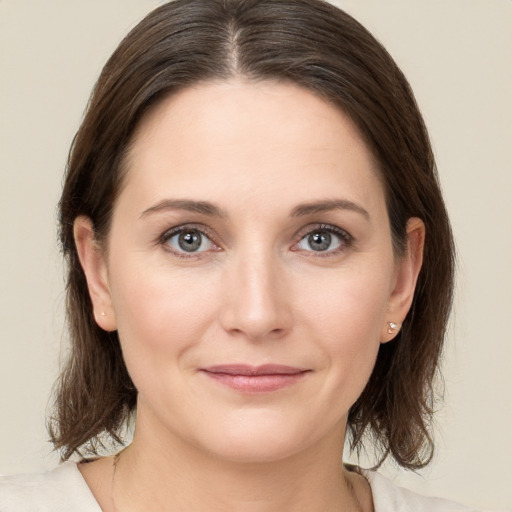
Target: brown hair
[(315, 45)]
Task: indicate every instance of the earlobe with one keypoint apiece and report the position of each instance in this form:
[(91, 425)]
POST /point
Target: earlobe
[(92, 260), (406, 277)]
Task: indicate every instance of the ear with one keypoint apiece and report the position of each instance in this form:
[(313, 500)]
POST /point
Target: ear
[(406, 275), (92, 258)]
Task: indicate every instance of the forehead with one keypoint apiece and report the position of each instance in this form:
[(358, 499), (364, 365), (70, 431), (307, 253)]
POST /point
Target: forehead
[(250, 139)]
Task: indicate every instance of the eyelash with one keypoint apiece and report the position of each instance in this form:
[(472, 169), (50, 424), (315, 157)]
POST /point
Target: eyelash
[(346, 239), (164, 239)]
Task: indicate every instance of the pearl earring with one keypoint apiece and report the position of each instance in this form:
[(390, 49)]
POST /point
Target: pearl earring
[(103, 313), (393, 327)]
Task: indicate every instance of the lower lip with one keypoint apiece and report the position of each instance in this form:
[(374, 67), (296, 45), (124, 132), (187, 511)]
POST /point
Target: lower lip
[(256, 383)]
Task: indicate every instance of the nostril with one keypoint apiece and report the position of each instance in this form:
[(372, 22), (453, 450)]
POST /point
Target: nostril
[(255, 332)]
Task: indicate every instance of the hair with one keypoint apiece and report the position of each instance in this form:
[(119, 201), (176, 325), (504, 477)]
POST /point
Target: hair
[(317, 46)]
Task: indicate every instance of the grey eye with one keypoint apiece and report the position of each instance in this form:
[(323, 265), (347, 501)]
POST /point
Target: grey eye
[(320, 241), (190, 240)]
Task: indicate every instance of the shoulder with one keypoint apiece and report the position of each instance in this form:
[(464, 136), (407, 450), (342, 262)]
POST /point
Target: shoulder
[(389, 497), (60, 490)]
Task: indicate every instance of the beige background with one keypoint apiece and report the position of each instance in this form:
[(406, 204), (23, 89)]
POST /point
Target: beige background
[(458, 57)]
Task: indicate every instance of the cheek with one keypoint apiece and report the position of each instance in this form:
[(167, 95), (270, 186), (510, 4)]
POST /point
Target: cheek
[(159, 311), (348, 304), (345, 317)]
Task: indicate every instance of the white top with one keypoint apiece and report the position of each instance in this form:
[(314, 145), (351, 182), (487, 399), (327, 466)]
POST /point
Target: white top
[(64, 490)]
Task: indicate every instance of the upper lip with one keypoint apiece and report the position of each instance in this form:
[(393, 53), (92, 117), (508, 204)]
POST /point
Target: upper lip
[(248, 370)]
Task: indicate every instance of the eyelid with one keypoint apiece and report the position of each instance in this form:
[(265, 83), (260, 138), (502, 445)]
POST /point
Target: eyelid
[(175, 230), (347, 239), (321, 226)]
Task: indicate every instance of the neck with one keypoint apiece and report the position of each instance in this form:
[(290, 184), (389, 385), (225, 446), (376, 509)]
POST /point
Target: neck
[(150, 475)]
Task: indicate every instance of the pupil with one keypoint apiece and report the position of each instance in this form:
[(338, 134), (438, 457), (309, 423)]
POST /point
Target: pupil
[(319, 241), (189, 241)]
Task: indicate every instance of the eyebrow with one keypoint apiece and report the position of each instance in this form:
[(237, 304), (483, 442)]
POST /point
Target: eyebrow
[(203, 207), (210, 209), (325, 206)]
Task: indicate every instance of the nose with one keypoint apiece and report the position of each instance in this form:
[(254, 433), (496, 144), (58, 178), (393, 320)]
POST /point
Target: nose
[(255, 302)]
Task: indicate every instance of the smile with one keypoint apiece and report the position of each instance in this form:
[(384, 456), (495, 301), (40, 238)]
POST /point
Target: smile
[(255, 379)]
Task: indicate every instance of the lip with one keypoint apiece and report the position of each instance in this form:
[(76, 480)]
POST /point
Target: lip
[(255, 379)]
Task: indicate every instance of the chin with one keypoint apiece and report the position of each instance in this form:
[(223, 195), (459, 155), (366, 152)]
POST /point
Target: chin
[(256, 450), (259, 441)]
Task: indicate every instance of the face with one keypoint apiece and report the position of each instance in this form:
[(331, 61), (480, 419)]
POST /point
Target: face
[(249, 271)]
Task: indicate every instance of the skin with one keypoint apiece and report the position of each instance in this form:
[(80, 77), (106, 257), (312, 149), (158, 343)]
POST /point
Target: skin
[(255, 293)]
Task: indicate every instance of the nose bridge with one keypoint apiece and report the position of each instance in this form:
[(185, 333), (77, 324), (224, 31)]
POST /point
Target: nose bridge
[(255, 302)]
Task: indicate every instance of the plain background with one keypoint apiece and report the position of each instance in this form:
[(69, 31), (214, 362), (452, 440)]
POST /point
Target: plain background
[(457, 55)]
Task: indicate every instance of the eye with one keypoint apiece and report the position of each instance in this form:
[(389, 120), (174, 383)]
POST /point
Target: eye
[(188, 240), (326, 239)]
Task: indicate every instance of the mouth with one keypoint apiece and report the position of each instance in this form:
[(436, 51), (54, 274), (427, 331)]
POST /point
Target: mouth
[(255, 379)]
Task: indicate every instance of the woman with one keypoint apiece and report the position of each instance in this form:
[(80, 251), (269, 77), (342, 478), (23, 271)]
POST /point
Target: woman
[(260, 267)]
